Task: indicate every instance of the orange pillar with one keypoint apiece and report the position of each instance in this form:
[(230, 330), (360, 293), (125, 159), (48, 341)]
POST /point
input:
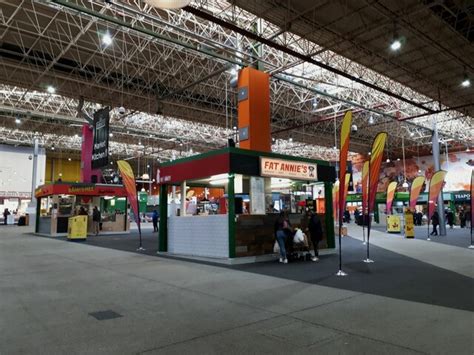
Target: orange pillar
[(254, 110)]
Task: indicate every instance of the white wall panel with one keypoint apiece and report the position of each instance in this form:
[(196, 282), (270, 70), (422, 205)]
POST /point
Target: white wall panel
[(206, 236)]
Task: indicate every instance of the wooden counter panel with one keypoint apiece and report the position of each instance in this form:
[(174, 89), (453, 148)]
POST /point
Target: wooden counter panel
[(254, 234)]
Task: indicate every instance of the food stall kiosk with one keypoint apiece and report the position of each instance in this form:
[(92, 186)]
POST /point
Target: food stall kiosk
[(256, 187), (57, 202)]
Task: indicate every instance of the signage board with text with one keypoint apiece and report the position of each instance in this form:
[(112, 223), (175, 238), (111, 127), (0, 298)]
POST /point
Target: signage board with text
[(100, 150), (289, 169)]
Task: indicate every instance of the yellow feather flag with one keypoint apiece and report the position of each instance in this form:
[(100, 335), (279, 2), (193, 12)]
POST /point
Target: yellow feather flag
[(344, 151), (375, 163), (436, 184), (390, 195), (415, 190)]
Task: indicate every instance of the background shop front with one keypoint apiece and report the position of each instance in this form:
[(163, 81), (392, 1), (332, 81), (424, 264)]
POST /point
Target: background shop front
[(58, 202)]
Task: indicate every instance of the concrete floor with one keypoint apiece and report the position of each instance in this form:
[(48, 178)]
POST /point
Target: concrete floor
[(48, 288)]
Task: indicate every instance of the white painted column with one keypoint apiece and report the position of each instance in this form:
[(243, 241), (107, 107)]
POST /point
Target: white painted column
[(183, 199)]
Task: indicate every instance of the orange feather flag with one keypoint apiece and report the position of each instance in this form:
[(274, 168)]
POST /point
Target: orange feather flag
[(436, 184), (344, 151), (365, 181), (375, 163), (415, 190), (390, 195), (129, 183)]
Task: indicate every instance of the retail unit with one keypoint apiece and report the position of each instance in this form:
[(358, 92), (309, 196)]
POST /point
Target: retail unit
[(59, 201), (255, 187)]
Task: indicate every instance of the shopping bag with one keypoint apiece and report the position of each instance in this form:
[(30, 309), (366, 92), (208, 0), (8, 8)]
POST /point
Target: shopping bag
[(276, 248)]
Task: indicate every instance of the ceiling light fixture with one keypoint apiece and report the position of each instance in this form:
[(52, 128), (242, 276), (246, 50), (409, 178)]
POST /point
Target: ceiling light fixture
[(466, 82), (17, 120), (395, 45), (51, 89), (106, 39), (371, 120), (168, 4)]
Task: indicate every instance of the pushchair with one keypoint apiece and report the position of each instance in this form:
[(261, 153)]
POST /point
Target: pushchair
[(297, 246)]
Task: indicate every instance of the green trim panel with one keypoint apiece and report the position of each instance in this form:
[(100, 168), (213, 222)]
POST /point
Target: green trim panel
[(163, 230)]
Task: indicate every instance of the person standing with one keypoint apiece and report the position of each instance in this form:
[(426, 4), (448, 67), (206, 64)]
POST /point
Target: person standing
[(316, 233), (96, 220), (435, 223), (462, 218), (281, 224), (450, 218), (154, 217), (6, 213), (347, 216)]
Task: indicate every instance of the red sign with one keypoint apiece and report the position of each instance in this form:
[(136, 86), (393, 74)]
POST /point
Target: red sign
[(80, 189), (194, 169)]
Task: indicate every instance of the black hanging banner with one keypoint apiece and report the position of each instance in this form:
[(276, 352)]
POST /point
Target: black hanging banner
[(100, 151)]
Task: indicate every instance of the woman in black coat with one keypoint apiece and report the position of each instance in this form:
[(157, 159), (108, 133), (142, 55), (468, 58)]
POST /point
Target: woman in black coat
[(435, 222)]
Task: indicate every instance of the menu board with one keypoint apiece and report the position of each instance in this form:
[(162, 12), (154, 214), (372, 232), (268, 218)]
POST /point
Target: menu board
[(257, 195)]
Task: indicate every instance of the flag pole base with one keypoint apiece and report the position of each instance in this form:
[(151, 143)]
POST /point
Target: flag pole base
[(368, 261), (471, 246), (341, 273), (141, 249)]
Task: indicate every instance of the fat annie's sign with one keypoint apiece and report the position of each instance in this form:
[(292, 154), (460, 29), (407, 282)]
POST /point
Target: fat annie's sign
[(287, 169), (100, 151)]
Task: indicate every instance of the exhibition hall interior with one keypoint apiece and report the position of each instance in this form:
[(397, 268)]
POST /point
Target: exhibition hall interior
[(244, 177)]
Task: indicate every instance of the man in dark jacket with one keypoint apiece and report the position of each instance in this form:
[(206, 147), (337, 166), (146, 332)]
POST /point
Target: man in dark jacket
[(316, 233), (435, 222), (450, 218), (96, 217), (6, 213), (154, 218)]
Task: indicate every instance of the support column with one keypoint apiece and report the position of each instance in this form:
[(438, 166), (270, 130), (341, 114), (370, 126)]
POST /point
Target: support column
[(182, 211), (231, 215), (437, 165), (32, 209), (329, 219), (163, 230)]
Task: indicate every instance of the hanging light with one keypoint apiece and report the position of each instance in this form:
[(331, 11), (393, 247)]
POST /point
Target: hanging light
[(168, 4), (50, 89), (106, 39), (145, 176), (371, 120), (396, 44), (405, 184), (17, 120), (466, 82)]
